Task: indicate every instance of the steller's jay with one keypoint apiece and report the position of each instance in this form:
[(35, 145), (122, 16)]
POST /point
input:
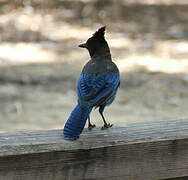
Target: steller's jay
[(96, 87)]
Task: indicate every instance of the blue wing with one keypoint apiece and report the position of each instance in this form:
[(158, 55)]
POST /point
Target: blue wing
[(96, 90)]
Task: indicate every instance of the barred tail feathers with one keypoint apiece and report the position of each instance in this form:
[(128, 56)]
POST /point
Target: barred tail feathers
[(76, 122)]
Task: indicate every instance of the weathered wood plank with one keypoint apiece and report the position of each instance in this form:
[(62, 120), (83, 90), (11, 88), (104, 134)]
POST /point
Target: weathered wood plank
[(180, 178), (143, 151)]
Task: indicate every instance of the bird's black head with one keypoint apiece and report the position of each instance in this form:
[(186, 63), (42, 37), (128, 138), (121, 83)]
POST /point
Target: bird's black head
[(97, 43)]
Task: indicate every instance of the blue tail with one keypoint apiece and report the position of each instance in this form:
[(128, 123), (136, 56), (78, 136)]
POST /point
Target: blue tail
[(76, 122)]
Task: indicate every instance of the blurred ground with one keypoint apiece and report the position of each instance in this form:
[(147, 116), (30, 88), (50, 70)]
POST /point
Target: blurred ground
[(40, 60)]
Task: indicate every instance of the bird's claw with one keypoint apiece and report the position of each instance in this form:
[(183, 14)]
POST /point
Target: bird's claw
[(106, 126), (91, 126)]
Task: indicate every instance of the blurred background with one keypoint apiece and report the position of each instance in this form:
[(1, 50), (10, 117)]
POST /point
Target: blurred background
[(40, 60)]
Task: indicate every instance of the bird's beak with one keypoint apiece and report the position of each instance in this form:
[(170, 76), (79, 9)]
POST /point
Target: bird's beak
[(84, 45)]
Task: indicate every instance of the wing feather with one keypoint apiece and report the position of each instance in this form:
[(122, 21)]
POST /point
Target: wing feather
[(95, 89)]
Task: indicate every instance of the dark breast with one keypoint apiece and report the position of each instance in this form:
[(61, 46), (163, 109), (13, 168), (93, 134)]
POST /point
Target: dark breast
[(99, 67)]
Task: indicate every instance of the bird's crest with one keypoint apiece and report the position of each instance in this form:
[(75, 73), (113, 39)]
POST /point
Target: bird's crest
[(100, 32)]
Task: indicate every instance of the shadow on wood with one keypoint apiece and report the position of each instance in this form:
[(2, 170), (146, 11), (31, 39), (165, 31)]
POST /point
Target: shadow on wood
[(139, 151)]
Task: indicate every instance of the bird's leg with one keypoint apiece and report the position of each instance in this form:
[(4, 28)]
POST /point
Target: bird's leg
[(90, 126), (106, 125)]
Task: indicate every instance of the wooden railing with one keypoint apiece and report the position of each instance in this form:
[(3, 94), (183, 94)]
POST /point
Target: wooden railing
[(138, 151)]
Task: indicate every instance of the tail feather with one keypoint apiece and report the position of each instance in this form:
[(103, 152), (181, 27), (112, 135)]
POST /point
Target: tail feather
[(76, 122)]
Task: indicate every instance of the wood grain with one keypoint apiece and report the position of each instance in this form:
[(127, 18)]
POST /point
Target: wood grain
[(137, 151)]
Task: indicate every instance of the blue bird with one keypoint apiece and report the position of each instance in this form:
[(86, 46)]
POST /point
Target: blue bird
[(96, 87)]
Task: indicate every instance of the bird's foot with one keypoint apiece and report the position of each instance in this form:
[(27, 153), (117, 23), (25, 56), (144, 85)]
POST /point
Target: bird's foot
[(106, 126), (91, 126)]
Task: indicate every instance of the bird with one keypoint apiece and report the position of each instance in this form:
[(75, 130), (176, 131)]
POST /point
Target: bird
[(97, 86)]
